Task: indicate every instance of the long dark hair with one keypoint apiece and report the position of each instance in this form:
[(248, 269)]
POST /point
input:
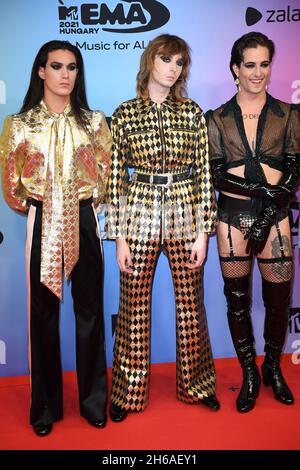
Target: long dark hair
[(252, 39), (170, 45), (35, 90)]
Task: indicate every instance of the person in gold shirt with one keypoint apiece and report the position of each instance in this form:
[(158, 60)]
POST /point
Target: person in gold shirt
[(54, 157), (168, 204)]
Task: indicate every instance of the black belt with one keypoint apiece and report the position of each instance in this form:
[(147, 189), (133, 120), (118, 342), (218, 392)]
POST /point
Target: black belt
[(34, 202), (165, 180)]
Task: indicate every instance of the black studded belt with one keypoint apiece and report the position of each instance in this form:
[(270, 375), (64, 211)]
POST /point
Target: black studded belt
[(164, 179)]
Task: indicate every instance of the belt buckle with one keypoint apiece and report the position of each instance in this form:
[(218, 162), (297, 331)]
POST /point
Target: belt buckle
[(151, 178), (170, 180)]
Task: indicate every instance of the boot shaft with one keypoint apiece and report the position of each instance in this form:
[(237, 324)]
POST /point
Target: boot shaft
[(236, 291), (276, 297)]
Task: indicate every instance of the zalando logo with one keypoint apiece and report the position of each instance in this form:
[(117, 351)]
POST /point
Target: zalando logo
[(287, 14)]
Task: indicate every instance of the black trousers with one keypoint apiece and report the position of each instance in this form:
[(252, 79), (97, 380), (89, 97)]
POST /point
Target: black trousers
[(87, 289)]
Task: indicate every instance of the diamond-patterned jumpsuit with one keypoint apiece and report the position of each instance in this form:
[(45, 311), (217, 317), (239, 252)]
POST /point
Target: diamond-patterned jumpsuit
[(159, 139)]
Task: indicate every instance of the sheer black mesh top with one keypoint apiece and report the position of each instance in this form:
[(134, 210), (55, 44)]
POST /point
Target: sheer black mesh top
[(278, 133)]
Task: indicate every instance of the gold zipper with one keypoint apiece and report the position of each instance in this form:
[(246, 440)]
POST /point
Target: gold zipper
[(163, 153), (188, 131), (142, 131)]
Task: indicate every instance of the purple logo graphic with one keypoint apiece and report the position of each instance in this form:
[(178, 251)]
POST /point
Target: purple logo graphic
[(288, 15), (252, 16)]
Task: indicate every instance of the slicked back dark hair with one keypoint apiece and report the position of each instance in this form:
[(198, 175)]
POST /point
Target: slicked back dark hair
[(252, 39), (35, 90)]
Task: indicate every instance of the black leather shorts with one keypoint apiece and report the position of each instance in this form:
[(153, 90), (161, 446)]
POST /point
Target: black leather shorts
[(241, 213)]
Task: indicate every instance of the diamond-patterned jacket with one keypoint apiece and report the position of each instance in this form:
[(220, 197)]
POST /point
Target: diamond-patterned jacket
[(158, 139)]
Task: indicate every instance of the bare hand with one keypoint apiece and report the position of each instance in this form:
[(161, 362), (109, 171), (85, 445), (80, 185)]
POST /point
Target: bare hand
[(198, 253), (123, 256)]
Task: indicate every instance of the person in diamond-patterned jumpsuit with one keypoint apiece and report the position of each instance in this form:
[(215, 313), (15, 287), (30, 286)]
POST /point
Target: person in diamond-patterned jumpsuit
[(168, 204)]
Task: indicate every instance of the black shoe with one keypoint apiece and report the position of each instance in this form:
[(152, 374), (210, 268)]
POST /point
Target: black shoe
[(249, 390), (211, 402), (42, 430), (272, 375), (117, 414), (98, 423)]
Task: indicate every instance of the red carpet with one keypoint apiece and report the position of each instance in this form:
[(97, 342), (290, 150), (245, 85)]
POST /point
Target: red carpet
[(166, 423)]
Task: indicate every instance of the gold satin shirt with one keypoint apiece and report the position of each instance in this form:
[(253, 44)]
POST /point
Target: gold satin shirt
[(49, 157), (159, 139), (25, 143)]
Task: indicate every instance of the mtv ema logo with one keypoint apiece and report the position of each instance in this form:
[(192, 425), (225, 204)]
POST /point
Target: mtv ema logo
[(288, 14), (125, 16), (67, 13), (294, 320)]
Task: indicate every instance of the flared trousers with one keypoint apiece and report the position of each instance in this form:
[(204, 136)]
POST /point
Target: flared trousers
[(44, 341), (195, 376)]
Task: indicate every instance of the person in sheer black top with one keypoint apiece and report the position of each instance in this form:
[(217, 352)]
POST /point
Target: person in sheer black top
[(254, 142)]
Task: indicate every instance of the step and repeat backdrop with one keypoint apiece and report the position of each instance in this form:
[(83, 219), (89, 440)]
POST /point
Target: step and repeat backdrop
[(111, 36)]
